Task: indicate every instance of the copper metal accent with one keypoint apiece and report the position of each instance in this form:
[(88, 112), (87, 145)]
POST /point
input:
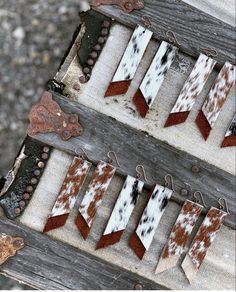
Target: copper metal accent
[(9, 246), (127, 5), (47, 116)]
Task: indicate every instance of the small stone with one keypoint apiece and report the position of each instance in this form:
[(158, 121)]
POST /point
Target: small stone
[(34, 180), (41, 164), (45, 156), (86, 70), (46, 149), (26, 196), (22, 204), (29, 189), (106, 23), (104, 32), (97, 48), (90, 62), (17, 211), (37, 172), (94, 55), (101, 40)]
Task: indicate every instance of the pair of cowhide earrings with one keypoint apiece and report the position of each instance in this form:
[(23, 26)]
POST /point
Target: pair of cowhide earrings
[(153, 79), (181, 232), (71, 188)]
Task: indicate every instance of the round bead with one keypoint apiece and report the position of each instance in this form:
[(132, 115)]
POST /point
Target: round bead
[(29, 189), (106, 23), (90, 62), (97, 48), (41, 164), (26, 196), (94, 55), (17, 211), (46, 149), (83, 79), (22, 204), (128, 6), (195, 169), (34, 180), (45, 156), (73, 120), (37, 172), (86, 70), (101, 40), (104, 32), (138, 287), (76, 87)]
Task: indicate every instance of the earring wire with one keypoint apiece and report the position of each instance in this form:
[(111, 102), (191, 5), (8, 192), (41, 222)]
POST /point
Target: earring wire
[(223, 206), (115, 156), (141, 172), (201, 196)]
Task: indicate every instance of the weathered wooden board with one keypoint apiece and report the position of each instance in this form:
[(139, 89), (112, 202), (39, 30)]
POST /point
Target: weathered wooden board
[(47, 264), (194, 28), (185, 136), (103, 133), (220, 260)]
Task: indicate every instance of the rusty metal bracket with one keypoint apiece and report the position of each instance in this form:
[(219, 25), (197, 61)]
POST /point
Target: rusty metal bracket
[(47, 117), (127, 5), (9, 247)]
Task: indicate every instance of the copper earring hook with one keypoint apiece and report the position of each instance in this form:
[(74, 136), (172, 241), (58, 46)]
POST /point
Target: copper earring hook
[(172, 38), (141, 173), (201, 196), (110, 158), (209, 52), (223, 206), (84, 153), (169, 182)]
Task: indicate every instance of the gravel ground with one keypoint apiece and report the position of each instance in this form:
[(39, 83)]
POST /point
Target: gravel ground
[(34, 36)]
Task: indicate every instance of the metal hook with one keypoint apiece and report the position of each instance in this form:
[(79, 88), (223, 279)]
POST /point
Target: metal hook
[(146, 21), (169, 182), (81, 155), (201, 196), (111, 160), (172, 38), (141, 173), (223, 206), (209, 52)]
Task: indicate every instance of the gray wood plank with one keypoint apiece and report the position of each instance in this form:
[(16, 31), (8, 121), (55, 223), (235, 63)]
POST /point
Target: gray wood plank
[(48, 264), (193, 28), (103, 133)]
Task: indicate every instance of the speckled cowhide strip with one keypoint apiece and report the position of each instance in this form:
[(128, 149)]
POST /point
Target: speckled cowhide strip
[(216, 98), (129, 62), (142, 238), (230, 136), (47, 117), (201, 243), (147, 92), (93, 197), (122, 211), (190, 91), (9, 247), (179, 236), (30, 164), (69, 192)]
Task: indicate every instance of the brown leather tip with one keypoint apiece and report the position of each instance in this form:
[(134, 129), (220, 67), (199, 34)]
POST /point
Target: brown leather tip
[(118, 88), (55, 222), (140, 103), (176, 118), (203, 125), (137, 246), (109, 239), (82, 226), (229, 141)]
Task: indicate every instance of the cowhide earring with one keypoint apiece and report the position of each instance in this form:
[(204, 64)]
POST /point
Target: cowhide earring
[(216, 98), (69, 192), (203, 240), (123, 209), (87, 210), (148, 89), (129, 62), (180, 234), (142, 238), (190, 91), (230, 135)]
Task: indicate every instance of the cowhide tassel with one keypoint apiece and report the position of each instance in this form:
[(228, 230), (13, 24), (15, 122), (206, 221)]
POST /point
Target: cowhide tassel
[(230, 136), (190, 91), (216, 98), (122, 211), (129, 62), (179, 236), (201, 243), (69, 192), (142, 238), (93, 197), (154, 78)]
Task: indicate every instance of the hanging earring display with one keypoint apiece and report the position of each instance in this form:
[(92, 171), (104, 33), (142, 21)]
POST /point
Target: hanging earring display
[(179, 236), (190, 91), (203, 240), (129, 62), (145, 231), (230, 136), (69, 192), (122, 211), (154, 78), (87, 210), (216, 98)]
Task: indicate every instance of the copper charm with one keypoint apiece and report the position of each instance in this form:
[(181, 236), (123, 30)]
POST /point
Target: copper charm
[(127, 5), (9, 246), (203, 240), (47, 117)]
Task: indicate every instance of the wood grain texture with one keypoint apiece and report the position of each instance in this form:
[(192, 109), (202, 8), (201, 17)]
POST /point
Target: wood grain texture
[(194, 28), (219, 263), (146, 150), (47, 264)]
